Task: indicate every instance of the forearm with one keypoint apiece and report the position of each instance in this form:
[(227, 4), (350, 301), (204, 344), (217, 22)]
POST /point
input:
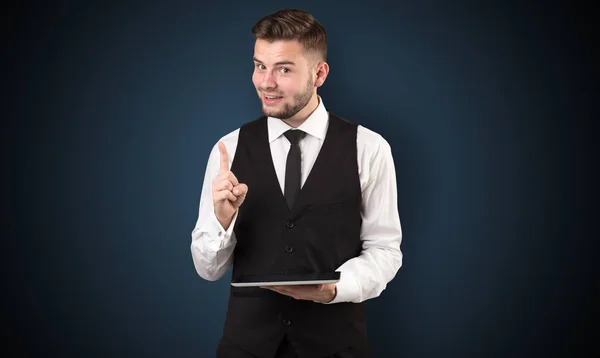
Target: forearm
[(366, 276), (212, 248)]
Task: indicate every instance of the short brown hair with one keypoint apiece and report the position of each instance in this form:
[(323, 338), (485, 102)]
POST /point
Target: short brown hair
[(293, 24)]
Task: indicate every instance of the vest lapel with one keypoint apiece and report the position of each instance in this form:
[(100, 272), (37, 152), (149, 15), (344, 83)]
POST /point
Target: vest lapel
[(272, 174), (312, 181)]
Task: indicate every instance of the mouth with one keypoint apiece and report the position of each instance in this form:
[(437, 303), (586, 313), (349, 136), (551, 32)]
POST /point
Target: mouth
[(271, 99)]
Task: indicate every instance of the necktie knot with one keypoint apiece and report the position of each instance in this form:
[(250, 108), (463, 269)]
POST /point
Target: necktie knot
[(294, 135)]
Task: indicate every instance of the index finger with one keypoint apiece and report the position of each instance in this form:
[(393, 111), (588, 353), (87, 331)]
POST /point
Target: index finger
[(224, 158)]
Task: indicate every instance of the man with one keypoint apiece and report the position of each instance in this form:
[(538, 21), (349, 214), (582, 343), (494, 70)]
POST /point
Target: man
[(297, 190)]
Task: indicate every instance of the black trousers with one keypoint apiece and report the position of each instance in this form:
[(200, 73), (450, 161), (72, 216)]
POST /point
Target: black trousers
[(227, 349)]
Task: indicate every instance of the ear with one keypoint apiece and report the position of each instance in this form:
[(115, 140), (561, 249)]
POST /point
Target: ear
[(321, 74)]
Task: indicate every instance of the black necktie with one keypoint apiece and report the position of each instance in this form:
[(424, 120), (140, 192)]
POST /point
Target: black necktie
[(293, 171)]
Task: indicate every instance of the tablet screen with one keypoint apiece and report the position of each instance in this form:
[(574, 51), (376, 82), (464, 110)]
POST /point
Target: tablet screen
[(286, 279)]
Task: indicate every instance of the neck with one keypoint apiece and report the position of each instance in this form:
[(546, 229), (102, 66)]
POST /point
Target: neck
[(304, 113)]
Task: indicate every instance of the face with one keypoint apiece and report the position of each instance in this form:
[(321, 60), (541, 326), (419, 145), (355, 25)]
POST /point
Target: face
[(286, 79)]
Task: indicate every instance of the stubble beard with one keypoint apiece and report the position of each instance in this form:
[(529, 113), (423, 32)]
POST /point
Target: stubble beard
[(290, 110)]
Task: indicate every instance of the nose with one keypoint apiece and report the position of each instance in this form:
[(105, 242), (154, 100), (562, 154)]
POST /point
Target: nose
[(268, 82)]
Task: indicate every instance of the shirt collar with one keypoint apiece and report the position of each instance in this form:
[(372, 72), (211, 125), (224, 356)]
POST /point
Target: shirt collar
[(315, 124)]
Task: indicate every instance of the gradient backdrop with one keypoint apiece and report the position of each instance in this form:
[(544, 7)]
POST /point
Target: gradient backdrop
[(111, 111)]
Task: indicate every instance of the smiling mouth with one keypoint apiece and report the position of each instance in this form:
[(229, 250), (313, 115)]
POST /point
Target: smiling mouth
[(273, 97)]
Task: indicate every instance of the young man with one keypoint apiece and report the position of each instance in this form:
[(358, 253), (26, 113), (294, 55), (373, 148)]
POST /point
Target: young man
[(298, 190)]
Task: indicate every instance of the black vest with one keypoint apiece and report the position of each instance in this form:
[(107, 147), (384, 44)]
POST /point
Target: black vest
[(319, 233)]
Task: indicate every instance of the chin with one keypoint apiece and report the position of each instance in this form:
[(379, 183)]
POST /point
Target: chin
[(273, 108), (269, 112)]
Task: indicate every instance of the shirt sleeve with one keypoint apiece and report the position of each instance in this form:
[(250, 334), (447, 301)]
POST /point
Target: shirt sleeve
[(366, 276), (212, 246)]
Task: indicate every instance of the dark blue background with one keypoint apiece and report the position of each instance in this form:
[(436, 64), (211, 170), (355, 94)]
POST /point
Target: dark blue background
[(112, 109)]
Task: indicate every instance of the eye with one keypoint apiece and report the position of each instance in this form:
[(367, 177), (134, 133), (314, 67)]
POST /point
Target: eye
[(285, 70), (260, 66)]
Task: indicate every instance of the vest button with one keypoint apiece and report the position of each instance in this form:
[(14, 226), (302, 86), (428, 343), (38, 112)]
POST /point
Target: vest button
[(289, 224), (287, 322), (288, 248)]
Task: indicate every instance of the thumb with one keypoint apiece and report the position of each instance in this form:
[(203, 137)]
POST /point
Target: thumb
[(240, 191)]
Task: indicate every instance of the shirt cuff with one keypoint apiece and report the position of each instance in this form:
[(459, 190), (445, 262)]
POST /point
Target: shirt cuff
[(348, 289), (222, 234)]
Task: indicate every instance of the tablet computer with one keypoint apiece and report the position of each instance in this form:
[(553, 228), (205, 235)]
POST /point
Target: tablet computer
[(312, 278)]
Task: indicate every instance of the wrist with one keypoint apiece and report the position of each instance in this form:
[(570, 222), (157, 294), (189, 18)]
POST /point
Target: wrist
[(225, 222)]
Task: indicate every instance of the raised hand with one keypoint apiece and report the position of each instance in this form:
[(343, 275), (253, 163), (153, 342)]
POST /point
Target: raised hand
[(228, 194)]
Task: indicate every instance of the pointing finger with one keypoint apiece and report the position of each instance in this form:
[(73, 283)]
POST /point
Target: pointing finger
[(227, 175), (224, 158)]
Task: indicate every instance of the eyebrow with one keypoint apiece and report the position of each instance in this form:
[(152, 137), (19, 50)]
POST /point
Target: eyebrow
[(277, 63)]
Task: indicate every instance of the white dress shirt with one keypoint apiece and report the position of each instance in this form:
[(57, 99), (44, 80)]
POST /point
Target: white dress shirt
[(361, 278)]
